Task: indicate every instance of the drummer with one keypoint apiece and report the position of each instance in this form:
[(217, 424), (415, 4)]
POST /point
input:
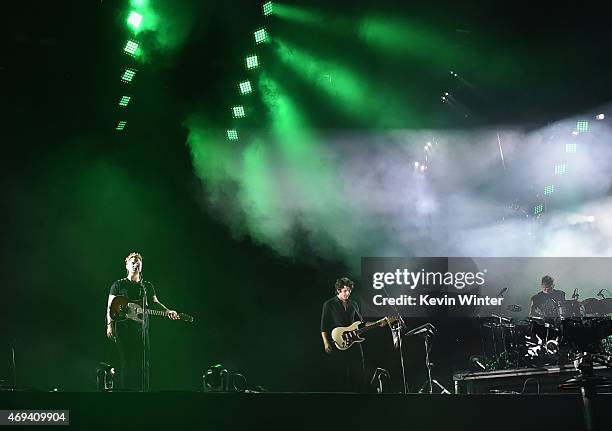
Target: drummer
[(546, 303)]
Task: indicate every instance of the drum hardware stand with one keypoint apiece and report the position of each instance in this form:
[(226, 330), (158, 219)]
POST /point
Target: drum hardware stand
[(588, 383), (379, 374), (427, 331)]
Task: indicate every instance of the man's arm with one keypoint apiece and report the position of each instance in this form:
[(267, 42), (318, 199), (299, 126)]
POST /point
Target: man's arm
[(172, 314), (326, 343), (110, 330), (325, 325)]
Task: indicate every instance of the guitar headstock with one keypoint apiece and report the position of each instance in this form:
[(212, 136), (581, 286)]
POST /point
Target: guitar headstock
[(391, 319), (186, 318)]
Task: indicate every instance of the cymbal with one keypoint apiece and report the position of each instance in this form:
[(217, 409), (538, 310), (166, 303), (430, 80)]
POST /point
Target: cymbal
[(597, 306)]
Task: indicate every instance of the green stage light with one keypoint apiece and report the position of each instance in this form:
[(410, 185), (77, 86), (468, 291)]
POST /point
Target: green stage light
[(128, 75), (238, 111), (134, 20), (121, 125), (549, 190), (245, 87), (261, 36), (570, 148), (560, 168), (252, 62), (232, 135), (131, 47), (538, 209), (267, 8), (582, 126), (124, 100)]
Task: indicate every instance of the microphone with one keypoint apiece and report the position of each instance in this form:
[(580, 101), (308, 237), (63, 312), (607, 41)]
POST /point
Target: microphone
[(600, 293), (502, 291), (575, 294)]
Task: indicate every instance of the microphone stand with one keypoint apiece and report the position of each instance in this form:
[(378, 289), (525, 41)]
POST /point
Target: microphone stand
[(14, 369), (396, 333), (145, 338)]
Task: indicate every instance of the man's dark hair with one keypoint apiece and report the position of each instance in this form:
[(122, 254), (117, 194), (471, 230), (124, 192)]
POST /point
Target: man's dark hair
[(344, 282), (548, 280)]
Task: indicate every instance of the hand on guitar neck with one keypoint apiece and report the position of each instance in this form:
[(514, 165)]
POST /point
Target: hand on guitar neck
[(345, 336)]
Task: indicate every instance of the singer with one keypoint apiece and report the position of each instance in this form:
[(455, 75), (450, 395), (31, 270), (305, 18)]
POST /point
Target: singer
[(131, 337), (546, 303)]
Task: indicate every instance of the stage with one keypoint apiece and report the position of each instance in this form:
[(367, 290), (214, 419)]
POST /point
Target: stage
[(230, 411)]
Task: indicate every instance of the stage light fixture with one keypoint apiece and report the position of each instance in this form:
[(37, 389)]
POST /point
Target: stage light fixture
[(252, 62), (134, 20), (245, 87), (238, 111), (125, 100), (267, 8), (538, 209), (416, 164), (600, 116), (550, 189), (128, 75), (571, 148), (560, 168), (232, 135), (121, 125), (131, 47), (582, 126), (261, 36)]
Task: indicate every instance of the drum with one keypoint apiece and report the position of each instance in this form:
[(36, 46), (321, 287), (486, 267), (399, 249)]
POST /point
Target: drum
[(500, 342), (569, 309), (597, 307), (542, 342)]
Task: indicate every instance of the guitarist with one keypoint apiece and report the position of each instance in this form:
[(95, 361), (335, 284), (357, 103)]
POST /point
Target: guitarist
[(347, 365), (128, 334)]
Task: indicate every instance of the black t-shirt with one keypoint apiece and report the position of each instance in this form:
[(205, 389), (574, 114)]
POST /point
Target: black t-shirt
[(132, 290), (547, 304), (334, 314)]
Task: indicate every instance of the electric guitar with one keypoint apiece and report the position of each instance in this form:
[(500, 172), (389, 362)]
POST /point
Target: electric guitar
[(121, 309), (345, 336)]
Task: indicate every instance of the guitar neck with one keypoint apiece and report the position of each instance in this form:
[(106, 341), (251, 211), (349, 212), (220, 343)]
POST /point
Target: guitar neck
[(371, 325), (184, 317), (157, 312)]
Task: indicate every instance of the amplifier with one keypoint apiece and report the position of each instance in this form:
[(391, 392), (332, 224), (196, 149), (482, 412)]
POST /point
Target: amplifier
[(543, 380)]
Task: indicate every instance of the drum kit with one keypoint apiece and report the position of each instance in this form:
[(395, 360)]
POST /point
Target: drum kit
[(581, 326)]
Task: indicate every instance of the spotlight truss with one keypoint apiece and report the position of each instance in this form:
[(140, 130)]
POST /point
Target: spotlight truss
[(134, 20), (252, 62), (125, 100), (131, 47), (268, 8), (232, 135), (245, 87), (128, 75), (238, 111)]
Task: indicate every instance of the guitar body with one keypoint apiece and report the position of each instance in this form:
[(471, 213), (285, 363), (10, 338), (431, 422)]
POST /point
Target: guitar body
[(345, 336), (122, 308)]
